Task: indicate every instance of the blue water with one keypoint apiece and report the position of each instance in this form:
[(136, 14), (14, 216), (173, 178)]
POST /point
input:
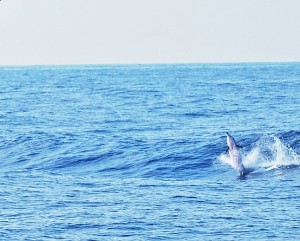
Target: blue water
[(137, 152)]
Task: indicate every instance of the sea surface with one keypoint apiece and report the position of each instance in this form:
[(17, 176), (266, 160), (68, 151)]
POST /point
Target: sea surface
[(138, 152)]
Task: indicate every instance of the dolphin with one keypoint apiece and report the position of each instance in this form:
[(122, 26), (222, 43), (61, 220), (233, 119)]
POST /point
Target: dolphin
[(234, 154)]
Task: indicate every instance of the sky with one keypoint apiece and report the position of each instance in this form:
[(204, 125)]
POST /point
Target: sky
[(38, 32)]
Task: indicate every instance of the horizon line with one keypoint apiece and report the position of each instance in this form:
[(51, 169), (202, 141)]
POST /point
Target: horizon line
[(150, 63)]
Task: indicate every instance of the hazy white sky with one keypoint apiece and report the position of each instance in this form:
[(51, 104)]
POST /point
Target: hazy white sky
[(148, 31)]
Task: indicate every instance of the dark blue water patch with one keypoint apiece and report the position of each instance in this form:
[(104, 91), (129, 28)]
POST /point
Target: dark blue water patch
[(291, 138), (248, 141), (83, 160), (202, 114), (121, 162)]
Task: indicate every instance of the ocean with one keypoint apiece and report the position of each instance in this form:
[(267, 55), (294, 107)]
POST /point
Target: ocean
[(138, 152)]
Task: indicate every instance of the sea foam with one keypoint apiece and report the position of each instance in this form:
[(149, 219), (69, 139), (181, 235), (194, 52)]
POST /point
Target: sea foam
[(267, 153)]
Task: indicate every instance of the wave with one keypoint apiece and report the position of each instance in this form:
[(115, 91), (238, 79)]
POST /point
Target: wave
[(182, 158), (270, 152)]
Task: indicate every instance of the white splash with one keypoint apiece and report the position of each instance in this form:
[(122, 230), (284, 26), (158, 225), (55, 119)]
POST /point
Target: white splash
[(268, 153)]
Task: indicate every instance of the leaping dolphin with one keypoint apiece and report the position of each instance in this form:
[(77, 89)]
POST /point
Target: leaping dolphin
[(234, 154)]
